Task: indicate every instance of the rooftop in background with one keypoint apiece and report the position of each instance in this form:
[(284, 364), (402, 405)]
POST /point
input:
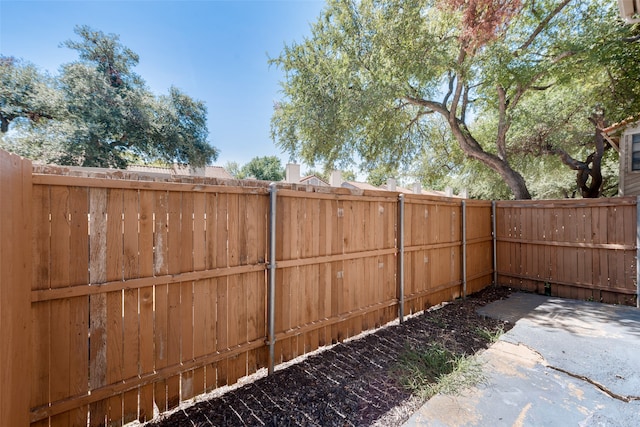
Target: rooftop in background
[(208, 171), (314, 180)]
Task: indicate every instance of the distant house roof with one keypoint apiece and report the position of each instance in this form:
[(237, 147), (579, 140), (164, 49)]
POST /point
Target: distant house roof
[(209, 171), (359, 185), (217, 172), (612, 133), (367, 186), (314, 180)]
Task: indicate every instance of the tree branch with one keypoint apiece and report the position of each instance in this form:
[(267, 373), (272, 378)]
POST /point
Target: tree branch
[(452, 79), (503, 123), (631, 39), (541, 26), (465, 103), (459, 84)]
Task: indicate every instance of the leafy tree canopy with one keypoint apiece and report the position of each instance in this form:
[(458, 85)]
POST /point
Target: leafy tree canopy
[(267, 168), (98, 112), (462, 88)]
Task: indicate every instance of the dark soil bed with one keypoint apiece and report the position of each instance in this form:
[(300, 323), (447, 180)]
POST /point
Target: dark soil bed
[(353, 383)]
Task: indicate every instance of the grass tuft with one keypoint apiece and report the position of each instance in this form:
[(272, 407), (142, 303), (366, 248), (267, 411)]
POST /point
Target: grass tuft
[(489, 335), (434, 369)]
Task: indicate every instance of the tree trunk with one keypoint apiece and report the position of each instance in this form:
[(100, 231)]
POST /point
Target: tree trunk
[(472, 148), (592, 189)]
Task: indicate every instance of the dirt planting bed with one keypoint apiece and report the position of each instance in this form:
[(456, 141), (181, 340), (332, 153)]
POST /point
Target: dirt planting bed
[(350, 384)]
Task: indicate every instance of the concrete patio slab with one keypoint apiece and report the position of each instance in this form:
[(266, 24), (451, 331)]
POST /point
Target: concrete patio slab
[(564, 363)]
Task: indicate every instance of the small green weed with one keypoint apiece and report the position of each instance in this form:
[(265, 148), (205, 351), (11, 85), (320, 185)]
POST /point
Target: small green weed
[(435, 369), (489, 335), (437, 321)]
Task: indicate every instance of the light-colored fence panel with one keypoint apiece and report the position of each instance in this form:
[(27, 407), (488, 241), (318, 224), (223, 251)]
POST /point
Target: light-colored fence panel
[(584, 249), (479, 245), (336, 268), (164, 286), (433, 251)]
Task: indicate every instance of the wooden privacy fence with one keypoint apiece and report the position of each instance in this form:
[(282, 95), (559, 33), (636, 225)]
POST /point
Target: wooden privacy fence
[(122, 293), (583, 249), (142, 294)]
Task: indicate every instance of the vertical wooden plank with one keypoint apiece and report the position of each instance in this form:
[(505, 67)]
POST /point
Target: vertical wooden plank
[(174, 329), (551, 252), (115, 269), (233, 221), (501, 256), (255, 287), (614, 237), (146, 269), (530, 250), (211, 220), (199, 289), (161, 259), (210, 289), (40, 311), (174, 240), (79, 306), (239, 243), (546, 237), (324, 248), (629, 239), (161, 341), (337, 268), (41, 280), (204, 332), (131, 344), (61, 331), (98, 302), (186, 293), (582, 269), (15, 286), (199, 232), (571, 253), (286, 249), (603, 255), (222, 260)]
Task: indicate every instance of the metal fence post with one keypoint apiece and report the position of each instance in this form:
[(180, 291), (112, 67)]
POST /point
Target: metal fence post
[(271, 287), (464, 249), (401, 257), (494, 235)]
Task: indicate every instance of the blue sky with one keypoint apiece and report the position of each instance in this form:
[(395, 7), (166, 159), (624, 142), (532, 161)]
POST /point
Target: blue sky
[(214, 50)]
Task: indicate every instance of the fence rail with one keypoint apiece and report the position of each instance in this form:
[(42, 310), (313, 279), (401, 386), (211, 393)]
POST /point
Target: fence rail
[(146, 292)]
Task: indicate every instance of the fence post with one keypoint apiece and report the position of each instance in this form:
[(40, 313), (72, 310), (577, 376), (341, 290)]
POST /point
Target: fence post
[(401, 257), (15, 289), (494, 235), (638, 252), (271, 288), (464, 249)]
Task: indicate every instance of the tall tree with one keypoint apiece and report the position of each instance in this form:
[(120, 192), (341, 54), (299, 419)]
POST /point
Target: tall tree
[(25, 93), (266, 168), (373, 73), (107, 117)]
